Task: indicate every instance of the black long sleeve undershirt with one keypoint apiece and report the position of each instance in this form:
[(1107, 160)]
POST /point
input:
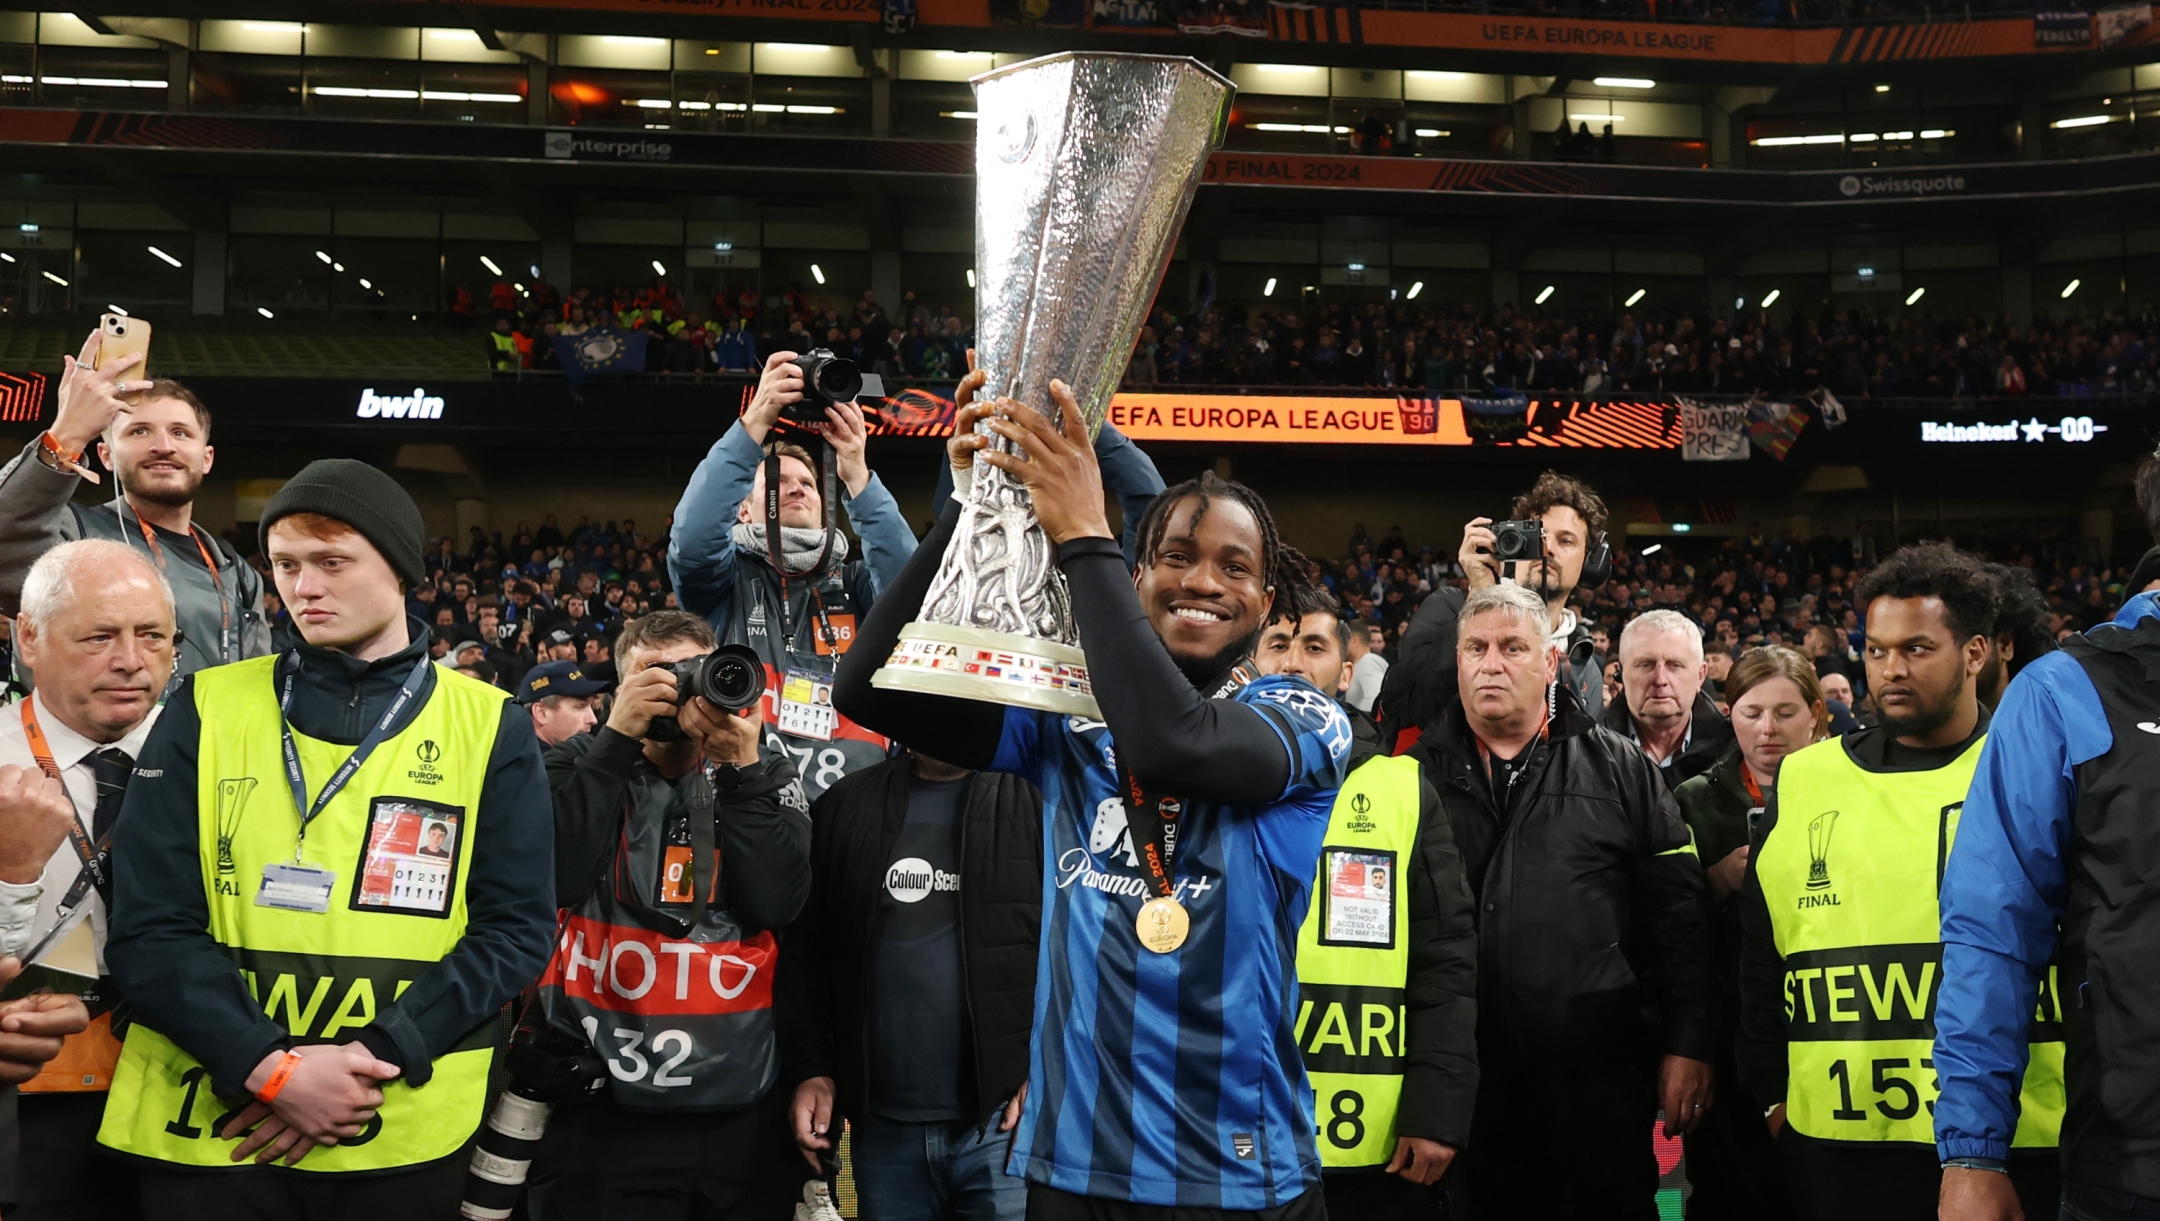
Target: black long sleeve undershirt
[(1167, 733)]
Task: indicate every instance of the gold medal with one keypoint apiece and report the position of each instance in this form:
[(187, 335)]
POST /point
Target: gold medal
[(1163, 924)]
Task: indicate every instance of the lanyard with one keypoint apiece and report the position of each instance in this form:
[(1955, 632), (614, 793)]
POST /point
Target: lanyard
[(209, 559), (1754, 789), (95, 856), (775, 555), (1159, 822), (290, 664)]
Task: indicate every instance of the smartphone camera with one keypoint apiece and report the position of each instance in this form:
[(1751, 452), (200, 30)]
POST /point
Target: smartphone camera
[(1518, 541)]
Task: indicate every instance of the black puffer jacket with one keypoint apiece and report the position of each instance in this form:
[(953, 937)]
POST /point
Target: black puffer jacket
[(824, 979), (1594, 939)]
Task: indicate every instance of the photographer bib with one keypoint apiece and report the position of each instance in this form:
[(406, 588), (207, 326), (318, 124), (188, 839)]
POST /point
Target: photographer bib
[(657, 975), (801, 642)]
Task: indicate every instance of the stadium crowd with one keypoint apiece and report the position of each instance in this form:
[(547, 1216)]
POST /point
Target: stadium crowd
[(1402, 345), (1364, 887)]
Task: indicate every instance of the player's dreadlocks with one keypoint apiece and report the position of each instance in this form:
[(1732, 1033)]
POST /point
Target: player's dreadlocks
[(1285, 565)]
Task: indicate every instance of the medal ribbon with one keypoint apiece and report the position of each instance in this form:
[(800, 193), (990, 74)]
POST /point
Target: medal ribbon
[(1159, 824), (290, 664)]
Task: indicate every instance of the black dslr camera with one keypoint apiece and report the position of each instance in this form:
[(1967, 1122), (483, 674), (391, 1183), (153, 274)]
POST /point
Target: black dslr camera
[(731, 678), (1518, 541), (829, 379)]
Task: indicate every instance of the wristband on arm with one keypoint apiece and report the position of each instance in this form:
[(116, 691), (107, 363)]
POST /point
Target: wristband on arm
[(60, 460), (278, 1077)]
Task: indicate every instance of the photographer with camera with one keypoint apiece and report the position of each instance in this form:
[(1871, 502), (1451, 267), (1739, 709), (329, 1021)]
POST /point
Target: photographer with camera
[(756, 553), (680, 849), (1554, 544)]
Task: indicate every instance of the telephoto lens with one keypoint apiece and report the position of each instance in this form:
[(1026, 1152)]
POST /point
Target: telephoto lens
[(503, 1155)]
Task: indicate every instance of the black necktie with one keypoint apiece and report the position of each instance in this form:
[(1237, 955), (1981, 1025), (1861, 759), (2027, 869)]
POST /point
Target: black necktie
[(111, 767)]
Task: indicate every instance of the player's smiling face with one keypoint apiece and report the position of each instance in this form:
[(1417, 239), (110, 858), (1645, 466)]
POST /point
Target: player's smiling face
[(1205, 587)]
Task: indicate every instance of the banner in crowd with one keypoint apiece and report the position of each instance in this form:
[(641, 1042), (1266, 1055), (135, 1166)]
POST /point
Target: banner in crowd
[(1713, 433), (2069, 27), (1337, 420), (603, 349)]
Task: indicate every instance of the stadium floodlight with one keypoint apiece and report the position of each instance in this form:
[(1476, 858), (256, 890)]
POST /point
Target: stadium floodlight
[(535, 267), (1681, 527), (170, 260), (1541, 297), (655, 104), (1653, 549), (489, 263), (337, 266), (817, 273), (1739, 302), (956, 114), (324, 256), (1357, 267), (56, 279), (2086, 120), (116, 309), (26, 227), (5, 257), (1937, 133), (658, 268), (1913, 297), (814, 110), (264, 310), (1882, 88), (2069, 288), (1415, 289), (1622, 82), (1268, 289), (364, 283), (1770, 298), (1636, 296), (1430, 133), (970, 277)]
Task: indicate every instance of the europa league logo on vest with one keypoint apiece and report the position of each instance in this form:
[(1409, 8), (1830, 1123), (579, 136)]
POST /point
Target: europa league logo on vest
[(232, 799), (1360, 809), (1818, 839), (428, 753)]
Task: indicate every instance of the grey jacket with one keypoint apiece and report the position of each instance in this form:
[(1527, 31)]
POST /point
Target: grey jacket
[(38, 513)]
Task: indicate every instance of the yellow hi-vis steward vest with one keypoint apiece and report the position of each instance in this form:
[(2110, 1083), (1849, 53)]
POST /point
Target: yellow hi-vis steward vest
[(1353, 960), (506, 353), (322, 976), (1852, 874)]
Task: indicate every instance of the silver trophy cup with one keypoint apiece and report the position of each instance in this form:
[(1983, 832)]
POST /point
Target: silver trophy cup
[(1085, 164)]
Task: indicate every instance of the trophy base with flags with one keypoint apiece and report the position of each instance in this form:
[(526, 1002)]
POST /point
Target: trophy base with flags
[(1001, 667)]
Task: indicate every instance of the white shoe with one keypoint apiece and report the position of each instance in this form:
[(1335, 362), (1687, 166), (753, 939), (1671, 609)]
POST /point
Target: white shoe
[(817, 1204)]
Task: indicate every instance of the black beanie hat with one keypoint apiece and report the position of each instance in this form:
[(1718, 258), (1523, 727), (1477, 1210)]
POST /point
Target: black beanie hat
[(362, 497)]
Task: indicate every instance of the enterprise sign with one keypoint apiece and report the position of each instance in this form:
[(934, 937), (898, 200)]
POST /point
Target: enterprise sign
[(2077, 428), (419, 405)]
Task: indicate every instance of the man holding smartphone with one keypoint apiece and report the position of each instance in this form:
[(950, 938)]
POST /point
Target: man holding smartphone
[(158, 449)]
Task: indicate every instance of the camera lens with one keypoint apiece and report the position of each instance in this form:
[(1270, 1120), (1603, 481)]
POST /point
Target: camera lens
[(731, 678), (838, 380)]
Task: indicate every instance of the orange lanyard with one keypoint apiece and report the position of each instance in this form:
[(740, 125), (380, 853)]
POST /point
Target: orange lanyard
[(39, 749), (1754, 790), (209, 559), (94, 855)]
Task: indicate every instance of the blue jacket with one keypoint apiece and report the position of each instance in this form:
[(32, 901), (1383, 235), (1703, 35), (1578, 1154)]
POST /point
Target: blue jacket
[(702, 555), (2003, 892)]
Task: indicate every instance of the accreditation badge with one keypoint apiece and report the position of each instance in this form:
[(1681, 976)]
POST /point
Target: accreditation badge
[(806, 707), (1163, 924), (1357, 899), (296, 888), (409, 863)]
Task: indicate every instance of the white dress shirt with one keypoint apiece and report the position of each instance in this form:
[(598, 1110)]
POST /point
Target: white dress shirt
[(27, 911)]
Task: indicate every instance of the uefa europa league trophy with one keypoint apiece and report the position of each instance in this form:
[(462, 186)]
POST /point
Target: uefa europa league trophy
[(1085, 164)]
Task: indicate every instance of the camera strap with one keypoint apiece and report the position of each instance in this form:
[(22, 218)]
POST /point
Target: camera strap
[(775, 553)]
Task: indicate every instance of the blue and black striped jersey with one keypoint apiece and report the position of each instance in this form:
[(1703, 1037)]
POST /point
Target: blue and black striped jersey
[(1173, 1079)]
